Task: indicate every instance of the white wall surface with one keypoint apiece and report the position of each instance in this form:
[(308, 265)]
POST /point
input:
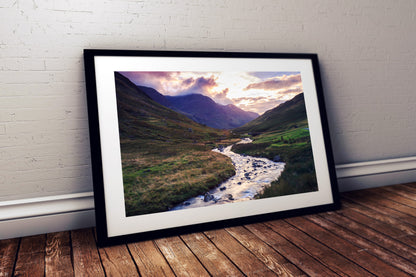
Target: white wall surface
[(366, 50)]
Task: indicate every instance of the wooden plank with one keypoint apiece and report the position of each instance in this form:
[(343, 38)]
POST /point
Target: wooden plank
[(58, 255), (375, 205), (304, 261), (8, 253), (392, 245), (212, 259), (248, 263), (366, 245), (408, 188), (86, 259), (365, 195), (181, 259), (380, 226), (117, 261), (346, 249), (376, 231), (31, 256), (270, 257), (400, 224), (338, 263), (402, 190), (394, 196), (149, 260), (413, 185)]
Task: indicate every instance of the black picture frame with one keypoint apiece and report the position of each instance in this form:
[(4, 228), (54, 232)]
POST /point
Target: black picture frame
[(114, 226)]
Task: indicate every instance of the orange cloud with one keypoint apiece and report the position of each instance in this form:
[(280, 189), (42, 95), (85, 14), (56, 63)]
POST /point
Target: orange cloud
[(277, 83), (258, 104), (200, 85)]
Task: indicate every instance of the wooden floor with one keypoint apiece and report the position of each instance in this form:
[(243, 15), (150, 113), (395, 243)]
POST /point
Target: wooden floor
[(373, 234)]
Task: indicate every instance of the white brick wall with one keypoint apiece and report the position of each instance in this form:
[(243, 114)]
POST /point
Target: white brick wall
[(366, 48)]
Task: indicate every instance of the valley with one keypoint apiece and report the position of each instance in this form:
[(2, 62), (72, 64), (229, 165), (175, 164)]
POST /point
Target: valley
[(167, 156), (252, 176), (282, 134)]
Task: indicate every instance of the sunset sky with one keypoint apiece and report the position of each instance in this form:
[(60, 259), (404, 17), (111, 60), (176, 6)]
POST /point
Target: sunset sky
[(250, 91)]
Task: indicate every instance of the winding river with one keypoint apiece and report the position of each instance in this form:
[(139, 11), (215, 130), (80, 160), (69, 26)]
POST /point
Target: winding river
[(252, 176)]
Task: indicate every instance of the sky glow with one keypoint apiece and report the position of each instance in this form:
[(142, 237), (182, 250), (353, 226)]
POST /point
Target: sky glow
[(250, 91)]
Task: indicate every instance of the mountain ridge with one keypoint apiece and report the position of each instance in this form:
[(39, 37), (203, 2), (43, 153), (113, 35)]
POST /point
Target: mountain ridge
[(203, 109), (289, 113), (140, 117), (166, 157)]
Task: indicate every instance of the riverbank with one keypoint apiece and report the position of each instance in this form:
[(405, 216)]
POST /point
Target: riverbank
[(291, 146), (252, 176), (157, 176)]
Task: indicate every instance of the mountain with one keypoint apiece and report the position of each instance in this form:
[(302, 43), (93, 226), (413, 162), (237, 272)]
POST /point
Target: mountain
[(140, 117), (287, 114), (203, 109), (166, 157), (155, 95)]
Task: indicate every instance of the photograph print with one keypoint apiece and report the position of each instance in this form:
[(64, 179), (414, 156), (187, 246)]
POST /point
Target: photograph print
[(187, 141), (192, 139)]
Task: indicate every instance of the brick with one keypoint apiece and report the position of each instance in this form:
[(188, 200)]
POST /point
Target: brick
[(7, 3), (2, 129), (366, 52)]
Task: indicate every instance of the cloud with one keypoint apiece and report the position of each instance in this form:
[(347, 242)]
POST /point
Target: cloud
[(253, 91), (294, 91), (200, 85), (223, 93), (258, 104), (188, 81), (277, 83), (271, 74), (222, 97), (174, 83), (140, 77), (154, 79)]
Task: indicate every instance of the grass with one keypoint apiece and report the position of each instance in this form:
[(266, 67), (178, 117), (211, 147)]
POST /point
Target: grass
[(294, 148), (166, 161), (166, 157), (162, 175)]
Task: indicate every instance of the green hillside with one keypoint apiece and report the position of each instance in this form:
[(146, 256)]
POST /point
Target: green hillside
[(282, 117), (166, 157), (141, 118), (282, 134)]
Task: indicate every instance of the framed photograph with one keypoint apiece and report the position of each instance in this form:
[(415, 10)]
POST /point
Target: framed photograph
[(188, 141)]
